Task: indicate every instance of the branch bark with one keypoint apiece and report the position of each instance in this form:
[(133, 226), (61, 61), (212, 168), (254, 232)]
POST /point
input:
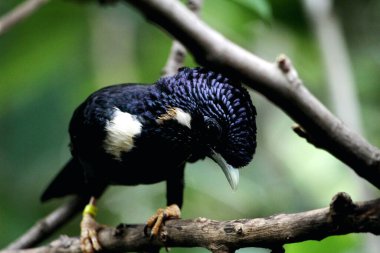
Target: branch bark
[(341, 217), (48, 225), (19, 13), (279, 82), (212, 50)]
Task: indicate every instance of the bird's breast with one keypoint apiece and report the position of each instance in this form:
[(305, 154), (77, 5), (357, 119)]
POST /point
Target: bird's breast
[(147, 164)]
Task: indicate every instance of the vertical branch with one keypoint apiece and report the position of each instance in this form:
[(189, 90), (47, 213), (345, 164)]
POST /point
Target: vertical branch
[(339, 72), (340, 76), (19, 13), (178, 52)]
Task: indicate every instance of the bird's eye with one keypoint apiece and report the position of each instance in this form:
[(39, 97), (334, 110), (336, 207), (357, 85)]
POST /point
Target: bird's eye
[(213, 128)]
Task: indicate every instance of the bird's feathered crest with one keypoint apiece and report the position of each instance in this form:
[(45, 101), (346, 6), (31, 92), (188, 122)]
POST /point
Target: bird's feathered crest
[(222, 100)]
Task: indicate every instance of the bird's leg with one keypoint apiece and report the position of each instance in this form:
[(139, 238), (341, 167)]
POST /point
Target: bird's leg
[(158, 219), (89, 228)]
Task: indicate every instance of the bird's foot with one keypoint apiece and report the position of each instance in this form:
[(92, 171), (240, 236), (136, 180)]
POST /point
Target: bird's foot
[(158, 219), (89, 242)]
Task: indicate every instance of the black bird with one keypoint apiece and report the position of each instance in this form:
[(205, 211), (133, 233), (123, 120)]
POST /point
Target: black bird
[(131, 134)]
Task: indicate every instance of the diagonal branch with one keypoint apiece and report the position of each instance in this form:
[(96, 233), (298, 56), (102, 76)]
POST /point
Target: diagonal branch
[(212, 50), (342, 217), (280, 84), (46, 226), (19, 13)]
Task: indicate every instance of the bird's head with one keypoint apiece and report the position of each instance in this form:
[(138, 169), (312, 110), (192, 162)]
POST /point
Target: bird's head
[(220, 117)]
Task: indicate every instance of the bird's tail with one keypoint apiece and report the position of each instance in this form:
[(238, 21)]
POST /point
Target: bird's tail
[(70, 180)]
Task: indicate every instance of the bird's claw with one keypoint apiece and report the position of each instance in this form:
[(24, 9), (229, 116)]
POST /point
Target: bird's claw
[(155, 222), (89, 242)]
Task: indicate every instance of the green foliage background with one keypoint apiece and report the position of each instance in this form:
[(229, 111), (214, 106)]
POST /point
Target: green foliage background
[(51, 61)]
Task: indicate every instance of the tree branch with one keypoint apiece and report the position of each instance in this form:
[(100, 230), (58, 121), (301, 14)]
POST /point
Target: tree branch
[(341, 217), (178, 52), (279, 82), (19, 13), (212, 50), (46, 226)]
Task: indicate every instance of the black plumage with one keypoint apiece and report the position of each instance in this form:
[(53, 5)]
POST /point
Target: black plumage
[(132, 134)]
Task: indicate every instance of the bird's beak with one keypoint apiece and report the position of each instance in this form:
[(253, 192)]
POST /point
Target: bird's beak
[(231, 173)]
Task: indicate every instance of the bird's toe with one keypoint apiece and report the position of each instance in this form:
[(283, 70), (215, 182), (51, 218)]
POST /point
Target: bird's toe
[(89, 235), (89, 242), (157, 220)]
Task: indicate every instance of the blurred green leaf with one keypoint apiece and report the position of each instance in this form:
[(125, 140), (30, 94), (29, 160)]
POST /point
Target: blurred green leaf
[(261, 8), (333, 244)]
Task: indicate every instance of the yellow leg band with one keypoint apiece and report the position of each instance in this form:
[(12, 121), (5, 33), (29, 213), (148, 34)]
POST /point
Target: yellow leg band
[(90, 209)]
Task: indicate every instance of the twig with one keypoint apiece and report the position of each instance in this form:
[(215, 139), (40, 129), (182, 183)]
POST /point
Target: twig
[(212, 50), (303, 134), (286, 66), (19, 13), (342, 217), (46, 226), (178, 52)]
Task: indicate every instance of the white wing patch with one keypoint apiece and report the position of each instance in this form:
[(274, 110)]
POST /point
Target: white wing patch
[(121, 130)]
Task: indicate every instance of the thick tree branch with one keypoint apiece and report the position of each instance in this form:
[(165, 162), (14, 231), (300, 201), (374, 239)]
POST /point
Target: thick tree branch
[(212, 50), (342, 217), (19, 13), (46, 226), (280, 84)]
